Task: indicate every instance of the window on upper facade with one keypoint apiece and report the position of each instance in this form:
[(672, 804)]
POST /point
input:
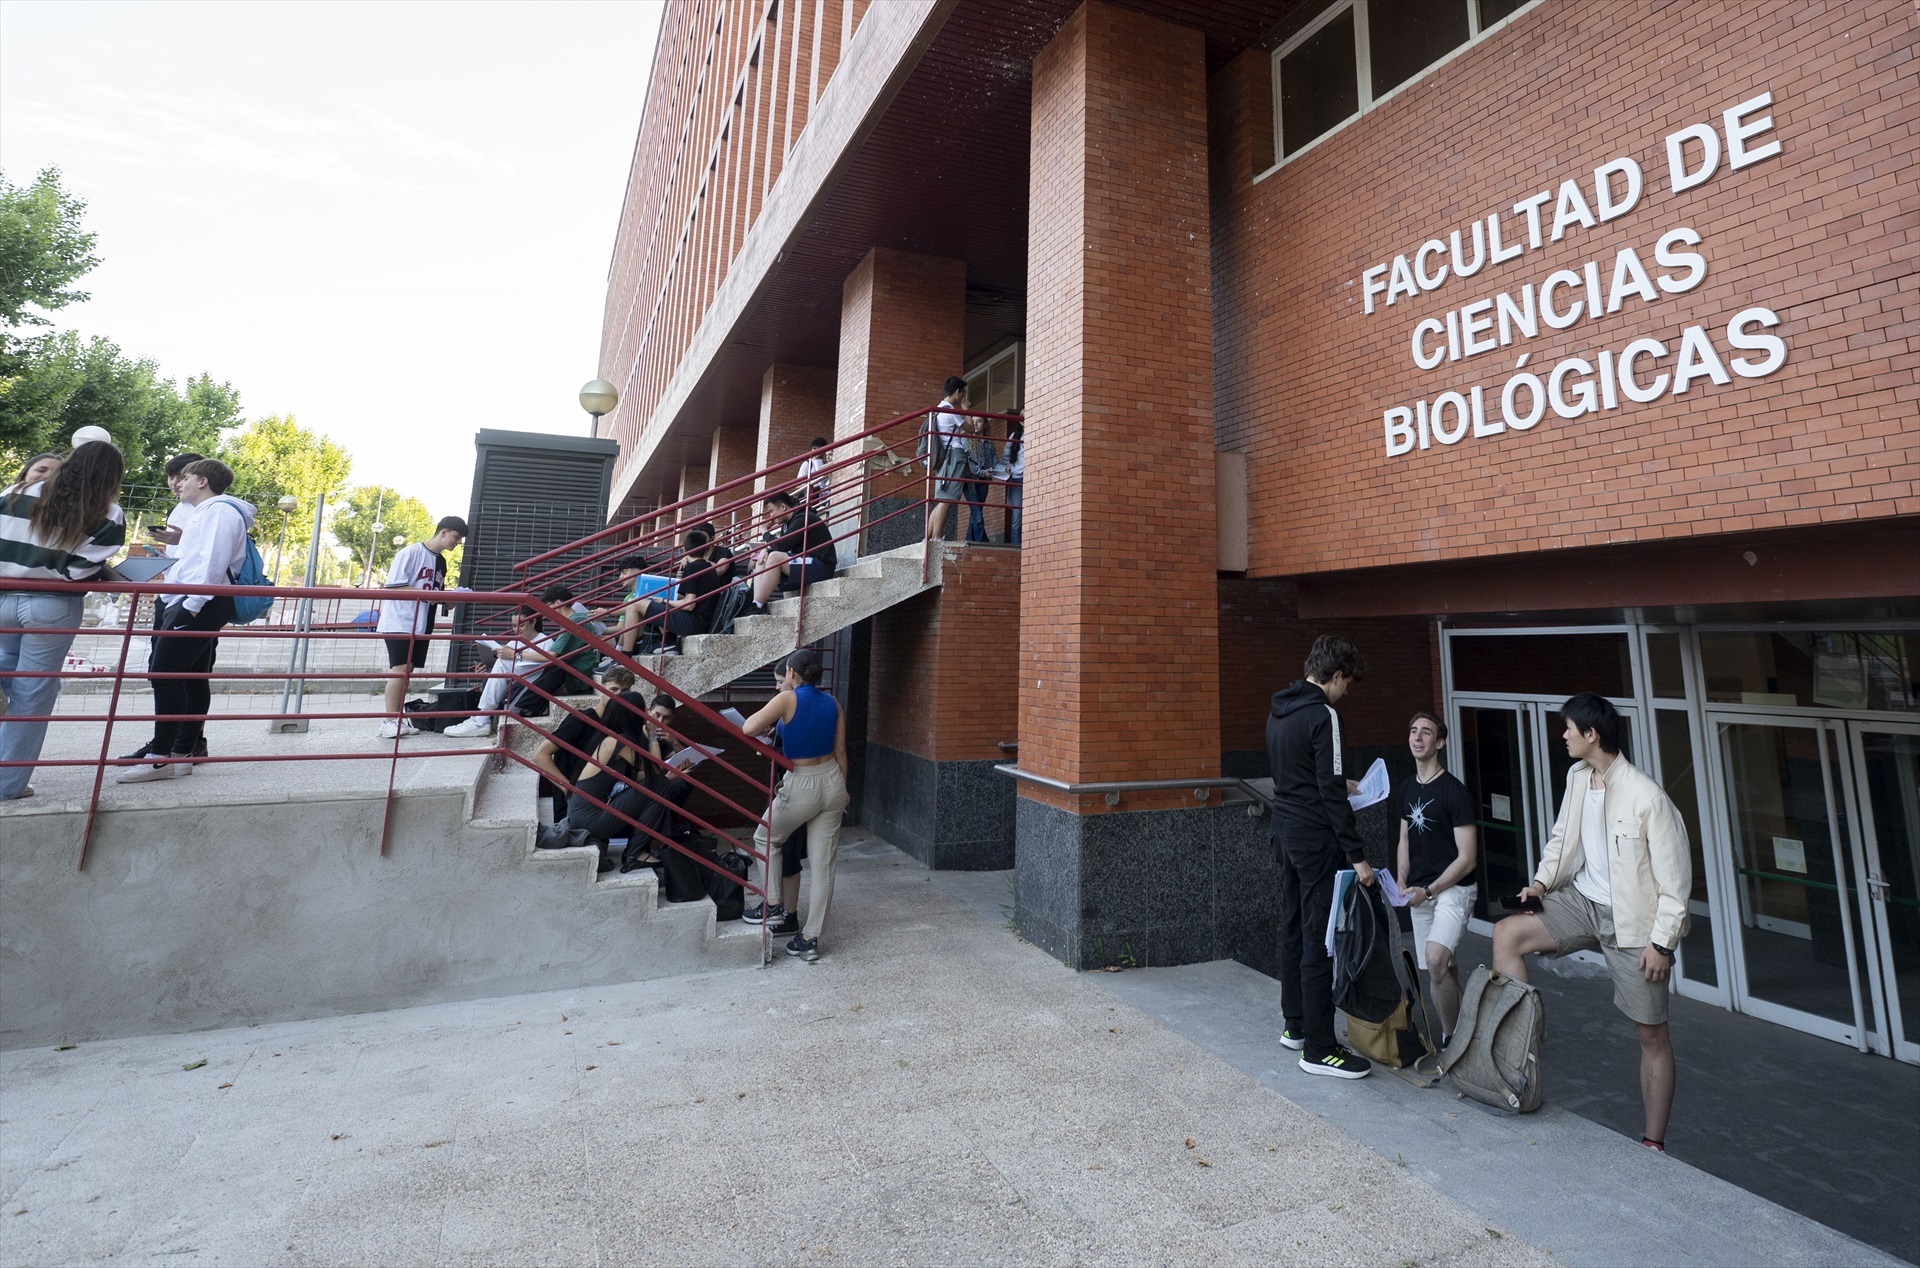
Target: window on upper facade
[(1334, 59)]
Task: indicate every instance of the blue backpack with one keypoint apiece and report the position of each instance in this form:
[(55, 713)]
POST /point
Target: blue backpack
[(253, 572)]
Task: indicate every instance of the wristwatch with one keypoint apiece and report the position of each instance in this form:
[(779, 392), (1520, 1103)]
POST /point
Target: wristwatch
[(1666, 951)]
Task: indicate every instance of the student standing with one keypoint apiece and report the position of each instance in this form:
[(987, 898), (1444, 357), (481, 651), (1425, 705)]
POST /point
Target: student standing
[(36, 470), (181, 515), (1016, 479), (1614, 877), (210, 552), (1313, 833), (946, 452), (62, 529), (407, 624), (813, 735), (1438, 848)]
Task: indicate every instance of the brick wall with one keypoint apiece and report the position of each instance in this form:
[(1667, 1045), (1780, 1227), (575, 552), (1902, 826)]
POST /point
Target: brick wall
[(733, 456), (943, 679), (1263, 647), (796, 404), (1824, 234), (1118, 647), (903, 321)]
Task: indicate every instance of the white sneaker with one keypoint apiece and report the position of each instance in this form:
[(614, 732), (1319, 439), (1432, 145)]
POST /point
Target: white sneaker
[(471, 727), (396, 730), (147, 774)]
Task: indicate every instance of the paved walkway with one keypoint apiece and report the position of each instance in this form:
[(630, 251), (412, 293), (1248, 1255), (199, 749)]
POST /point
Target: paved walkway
[(932, 1091)]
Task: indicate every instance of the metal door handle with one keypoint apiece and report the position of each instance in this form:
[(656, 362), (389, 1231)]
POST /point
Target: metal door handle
[(1877, 886)]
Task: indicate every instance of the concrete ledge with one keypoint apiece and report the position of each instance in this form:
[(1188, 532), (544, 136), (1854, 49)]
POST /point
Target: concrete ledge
[(190, 915)]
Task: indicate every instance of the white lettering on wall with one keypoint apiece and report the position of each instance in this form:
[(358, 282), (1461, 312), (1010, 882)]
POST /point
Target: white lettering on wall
[(1623, 277)]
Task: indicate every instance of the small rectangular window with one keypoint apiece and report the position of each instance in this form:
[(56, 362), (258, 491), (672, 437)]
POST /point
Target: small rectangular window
[(1319, 84), (1407, 36), (1492, 11)]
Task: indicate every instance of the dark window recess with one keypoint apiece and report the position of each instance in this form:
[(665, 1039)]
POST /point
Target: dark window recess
[(1319, 84), (1407, 36), (1683, 788), (1663, 663), (1492, 11), (1543, 664), (1813, 670)]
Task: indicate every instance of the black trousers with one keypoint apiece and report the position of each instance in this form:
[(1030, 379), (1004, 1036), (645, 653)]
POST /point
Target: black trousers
[(181, 703), (635, 805), (1308, 859)]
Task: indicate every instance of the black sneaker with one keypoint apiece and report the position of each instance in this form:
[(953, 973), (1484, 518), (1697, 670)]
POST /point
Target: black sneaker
[(1291, 1041), (754, 915), (145, 750), (805, 948), (1338, 1064), (200, 748), (788, 923)]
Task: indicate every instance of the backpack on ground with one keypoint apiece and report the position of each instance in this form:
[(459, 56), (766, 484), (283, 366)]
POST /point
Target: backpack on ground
[(252, 572), (1494, 1054), (729, 892), (733, 601), (453, 700)]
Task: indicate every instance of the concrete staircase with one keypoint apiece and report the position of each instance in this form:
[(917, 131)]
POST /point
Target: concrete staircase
[(708, 662)]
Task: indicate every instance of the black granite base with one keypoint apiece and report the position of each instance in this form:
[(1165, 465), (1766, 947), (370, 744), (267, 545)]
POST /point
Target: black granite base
[(953, 816), (1153, 888)]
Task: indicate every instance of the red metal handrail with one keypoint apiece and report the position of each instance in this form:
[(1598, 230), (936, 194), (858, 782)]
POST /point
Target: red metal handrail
[(559, 621)]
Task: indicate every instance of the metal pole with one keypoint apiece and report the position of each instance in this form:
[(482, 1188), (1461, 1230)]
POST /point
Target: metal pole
[(280, 551), (303, 622), (373, 542)]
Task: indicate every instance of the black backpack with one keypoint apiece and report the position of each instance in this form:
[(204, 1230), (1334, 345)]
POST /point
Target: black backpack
[(1364, 982)]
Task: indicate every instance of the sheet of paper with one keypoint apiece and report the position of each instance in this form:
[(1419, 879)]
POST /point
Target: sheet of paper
[(1390, 889), (692, 755), (734, 716), (1374, 786), (1342, 881)]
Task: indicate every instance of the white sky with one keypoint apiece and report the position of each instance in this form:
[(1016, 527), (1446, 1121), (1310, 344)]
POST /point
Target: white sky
[(392, 221)]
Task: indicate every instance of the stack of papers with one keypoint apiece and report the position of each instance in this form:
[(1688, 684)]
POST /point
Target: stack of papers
[(692, 755), (1373, 786)]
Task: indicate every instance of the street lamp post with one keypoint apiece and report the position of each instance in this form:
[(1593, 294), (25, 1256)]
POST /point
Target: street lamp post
[(598, 397)]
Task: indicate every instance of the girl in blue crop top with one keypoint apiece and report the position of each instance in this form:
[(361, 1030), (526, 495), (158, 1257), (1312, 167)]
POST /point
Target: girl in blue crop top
[(806, 718)]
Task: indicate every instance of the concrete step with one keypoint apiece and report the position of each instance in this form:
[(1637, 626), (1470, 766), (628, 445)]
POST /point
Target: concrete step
[(871, 585)]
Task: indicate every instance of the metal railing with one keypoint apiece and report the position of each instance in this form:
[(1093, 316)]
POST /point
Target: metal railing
[(885, 475), (124, 674)]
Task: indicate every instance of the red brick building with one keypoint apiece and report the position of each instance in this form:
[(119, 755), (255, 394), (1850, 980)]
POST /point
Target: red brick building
[(1537, 346)]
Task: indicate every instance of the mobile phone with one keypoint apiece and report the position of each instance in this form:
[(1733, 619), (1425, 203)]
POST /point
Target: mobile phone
[(1513, 902)]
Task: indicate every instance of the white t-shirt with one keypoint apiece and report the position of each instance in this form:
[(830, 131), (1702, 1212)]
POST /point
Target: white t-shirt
[(809, 469), (418, 568), (179, 517), (1596, 873)]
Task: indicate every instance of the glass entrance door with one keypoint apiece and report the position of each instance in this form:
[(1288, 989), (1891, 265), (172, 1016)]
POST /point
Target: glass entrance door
[(1495, 751), (1886, 790), (1797, 954)]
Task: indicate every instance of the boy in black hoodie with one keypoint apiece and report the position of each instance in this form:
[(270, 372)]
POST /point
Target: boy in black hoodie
[(1313, 834)]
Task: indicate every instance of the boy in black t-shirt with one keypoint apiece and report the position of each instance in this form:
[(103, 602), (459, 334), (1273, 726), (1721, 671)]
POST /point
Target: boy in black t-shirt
[(1437, 855)]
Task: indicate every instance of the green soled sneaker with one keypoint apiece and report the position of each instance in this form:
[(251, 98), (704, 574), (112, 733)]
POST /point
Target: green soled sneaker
[(1338, 1064)]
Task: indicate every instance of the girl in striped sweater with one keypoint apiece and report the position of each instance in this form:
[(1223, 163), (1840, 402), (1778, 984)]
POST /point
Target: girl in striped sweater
[(63, 529)]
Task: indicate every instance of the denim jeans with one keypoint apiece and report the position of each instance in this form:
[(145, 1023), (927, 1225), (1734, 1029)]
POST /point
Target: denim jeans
[(976, 514), (50, 620), (1016, 501)]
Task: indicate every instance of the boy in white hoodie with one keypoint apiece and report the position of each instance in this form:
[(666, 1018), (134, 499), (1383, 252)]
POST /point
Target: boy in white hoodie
[(210, 552)]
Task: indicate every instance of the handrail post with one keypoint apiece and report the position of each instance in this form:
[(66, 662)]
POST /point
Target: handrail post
[(106, 732), (289, 723)]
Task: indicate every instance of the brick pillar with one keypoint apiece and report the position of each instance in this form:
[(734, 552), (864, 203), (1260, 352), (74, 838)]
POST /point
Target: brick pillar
[(693, 481), (1119, 649), (903, 325), (731, 457), (796, 404)]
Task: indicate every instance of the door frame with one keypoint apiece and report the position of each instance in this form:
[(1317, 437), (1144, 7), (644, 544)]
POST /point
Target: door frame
[(1869, 866), (1862, 1033)]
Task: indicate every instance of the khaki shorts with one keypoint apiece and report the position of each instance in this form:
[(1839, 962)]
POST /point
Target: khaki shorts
[(1577, 923), (1441, 920)]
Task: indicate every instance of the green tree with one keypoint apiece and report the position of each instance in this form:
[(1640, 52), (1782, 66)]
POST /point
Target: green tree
[(43, 249), (275, 457), (354, 525), (53, 384)]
